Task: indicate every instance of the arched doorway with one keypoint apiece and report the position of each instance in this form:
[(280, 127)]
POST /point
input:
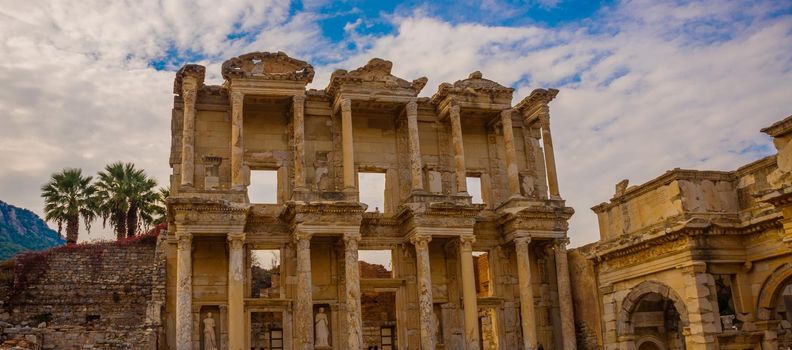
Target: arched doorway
[(775, 303), (653, 317), (783, 313)]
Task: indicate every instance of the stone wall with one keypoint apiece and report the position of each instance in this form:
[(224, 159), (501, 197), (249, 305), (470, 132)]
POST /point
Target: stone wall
[(106, 295), (585, 297)]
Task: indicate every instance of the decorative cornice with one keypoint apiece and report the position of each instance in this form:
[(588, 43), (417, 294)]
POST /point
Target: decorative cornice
[(537, 98), (779, 128), (268, 66)]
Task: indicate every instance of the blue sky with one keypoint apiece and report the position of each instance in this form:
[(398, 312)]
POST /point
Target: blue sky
[(646, 86)]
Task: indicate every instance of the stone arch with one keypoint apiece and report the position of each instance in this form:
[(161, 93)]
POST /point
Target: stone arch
[(770, 289), (651, 340), (630, 302)]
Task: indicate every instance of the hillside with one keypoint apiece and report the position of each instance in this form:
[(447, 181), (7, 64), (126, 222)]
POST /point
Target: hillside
[(21, 229)]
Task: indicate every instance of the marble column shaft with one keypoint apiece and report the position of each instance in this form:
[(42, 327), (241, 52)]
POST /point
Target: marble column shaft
[(184, 319), (425, 303), (236, 280), (347, 143), (415, 146), (303, 303), (469, 297), (298, 123), (459, 149), (565, 296), (237, 145), (352, 278), (189, 96), (511, 156), (550, 165), (527, 312)]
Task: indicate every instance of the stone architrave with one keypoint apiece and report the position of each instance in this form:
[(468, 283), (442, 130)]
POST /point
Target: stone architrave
[(184, 316), (303, 303), (527, 312), (236, 280), (469, 297), (411, 110), (426, 311), (459, 148), (565, 295), (352, 278), (237, 145), (298, 123), (347, 143), (511, 157)]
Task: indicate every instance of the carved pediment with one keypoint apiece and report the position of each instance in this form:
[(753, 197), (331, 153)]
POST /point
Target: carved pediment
[(537, 98), (268, 66), (376, 74), (474, 86)]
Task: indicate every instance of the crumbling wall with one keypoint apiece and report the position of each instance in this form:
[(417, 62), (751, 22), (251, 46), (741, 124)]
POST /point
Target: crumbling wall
[(87, 294), (585, 297)]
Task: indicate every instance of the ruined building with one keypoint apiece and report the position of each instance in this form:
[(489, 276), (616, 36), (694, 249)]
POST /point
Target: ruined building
[(693, 260), (284, 274)]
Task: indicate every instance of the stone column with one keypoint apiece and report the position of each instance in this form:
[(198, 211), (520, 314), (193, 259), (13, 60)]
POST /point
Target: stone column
[(352, 278), (236, 303), (298, 123), (189, 95), (770, 340), (511, 156), (346, 143), (565, 295), (184, 317), (237, 145), (425, 306), (459, 149), (469, 297), (699, 299), (415, 149), (552, 175), (303, 303), (527, 312)]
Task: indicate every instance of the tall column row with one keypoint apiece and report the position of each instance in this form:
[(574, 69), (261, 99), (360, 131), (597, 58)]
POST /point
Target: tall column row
[(184, 319)]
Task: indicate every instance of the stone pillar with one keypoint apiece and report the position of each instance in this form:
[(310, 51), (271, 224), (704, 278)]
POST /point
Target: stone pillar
[(303, 303), (699, 300), (425, 306), (347, 143), (565, 295), (469, 297), (189, 95), (236, 303), (511, 156), (415, 149), (298, 123), (237, 145), (770, 340), (352, 278), (527, 312), (459, 149), (184, 317), (552, 175)]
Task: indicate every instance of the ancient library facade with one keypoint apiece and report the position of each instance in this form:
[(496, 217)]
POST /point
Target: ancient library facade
[(271, 244)]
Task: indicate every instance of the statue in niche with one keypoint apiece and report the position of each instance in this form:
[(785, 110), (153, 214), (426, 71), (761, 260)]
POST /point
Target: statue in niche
[(322, 330), (210, 343)]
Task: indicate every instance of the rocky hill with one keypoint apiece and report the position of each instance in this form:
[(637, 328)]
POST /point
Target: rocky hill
[(21, 230)]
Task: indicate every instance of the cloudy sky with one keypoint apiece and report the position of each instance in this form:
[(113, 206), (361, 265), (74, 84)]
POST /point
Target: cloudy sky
[(646, 86)]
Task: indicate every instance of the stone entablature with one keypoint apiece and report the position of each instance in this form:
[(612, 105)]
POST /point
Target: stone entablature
[(317, 142)]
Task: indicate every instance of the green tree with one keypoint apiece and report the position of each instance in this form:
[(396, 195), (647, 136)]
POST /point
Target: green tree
[(125, 198), (67, 196)]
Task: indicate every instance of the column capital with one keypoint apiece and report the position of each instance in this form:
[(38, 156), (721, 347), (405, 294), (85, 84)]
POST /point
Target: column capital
[(466, 242), (302, 239), (411, 107), (522, 240), (237, 97), (351, 239), (508, 112), (184, 238), (298, 99), (346, 105), (561, 242), (188, 95), (236, 240), (421, 241)]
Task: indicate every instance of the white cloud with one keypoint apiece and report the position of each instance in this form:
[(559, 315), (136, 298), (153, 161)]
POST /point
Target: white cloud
[(645, 86)]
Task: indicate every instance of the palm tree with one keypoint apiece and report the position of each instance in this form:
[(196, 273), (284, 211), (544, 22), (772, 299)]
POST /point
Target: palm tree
[(158, 208), (124, 195), (67, 196)]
